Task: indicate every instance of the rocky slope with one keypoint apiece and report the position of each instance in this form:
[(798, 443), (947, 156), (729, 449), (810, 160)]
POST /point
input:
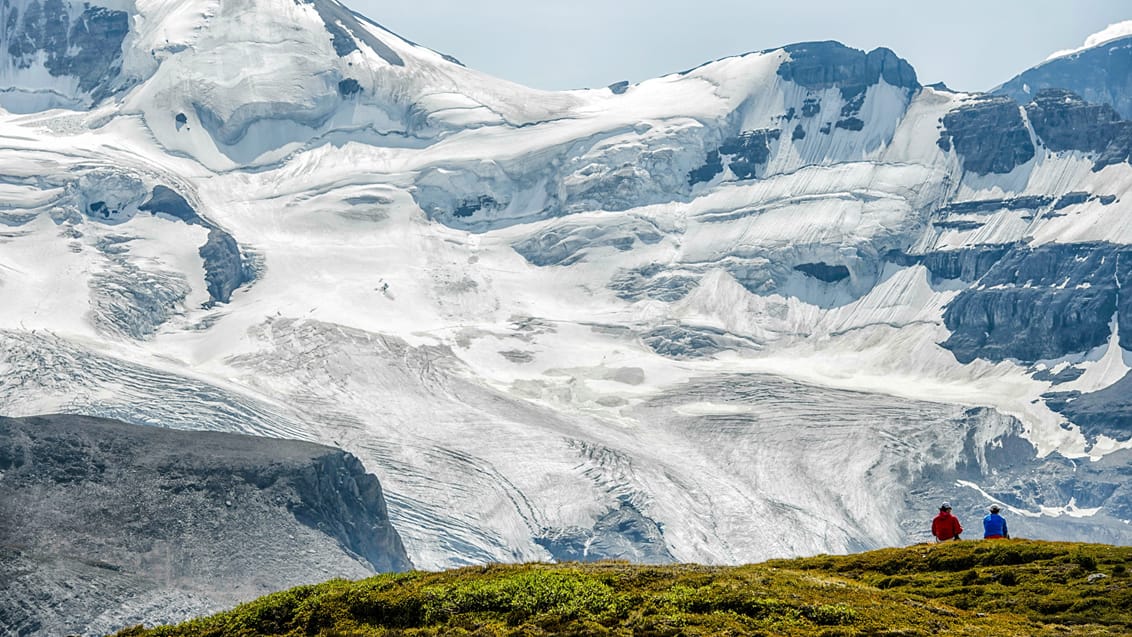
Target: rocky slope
[(107, 524)]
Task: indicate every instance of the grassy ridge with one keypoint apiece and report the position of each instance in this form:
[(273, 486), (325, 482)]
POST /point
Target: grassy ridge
[(1005, 587)]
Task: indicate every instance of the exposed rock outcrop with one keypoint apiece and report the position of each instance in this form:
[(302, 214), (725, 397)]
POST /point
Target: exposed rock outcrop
[(225, 269), (1108, 411), (824, 271), (1042, 303), (820, 65), (989, 135), (1065, 122), (748, 151), (347, 32), (967, 264), (119, 524)]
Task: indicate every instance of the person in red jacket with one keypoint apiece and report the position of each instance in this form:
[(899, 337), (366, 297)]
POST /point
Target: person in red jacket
[(946, 526)]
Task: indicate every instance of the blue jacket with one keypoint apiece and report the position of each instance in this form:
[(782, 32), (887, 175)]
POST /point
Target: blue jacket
[(994, 524)]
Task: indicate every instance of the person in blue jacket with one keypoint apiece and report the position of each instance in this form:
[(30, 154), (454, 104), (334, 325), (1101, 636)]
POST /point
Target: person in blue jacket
[(994, 525)]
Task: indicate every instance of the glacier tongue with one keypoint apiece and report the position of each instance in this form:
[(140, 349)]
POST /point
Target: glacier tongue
[(721, 463), (777, 304)]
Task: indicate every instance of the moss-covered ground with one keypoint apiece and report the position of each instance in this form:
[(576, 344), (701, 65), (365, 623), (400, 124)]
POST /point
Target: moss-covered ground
[(1003, 587)]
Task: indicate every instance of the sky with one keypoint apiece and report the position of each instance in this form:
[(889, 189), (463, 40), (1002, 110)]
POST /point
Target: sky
[(970, 45)]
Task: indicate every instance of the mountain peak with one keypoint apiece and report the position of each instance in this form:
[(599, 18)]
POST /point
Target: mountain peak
[(234, 83), (1098, 72), (70, 54), (1115, 31)]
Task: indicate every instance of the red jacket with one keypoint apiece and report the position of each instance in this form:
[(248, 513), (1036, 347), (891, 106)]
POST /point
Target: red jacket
[(946, 526)]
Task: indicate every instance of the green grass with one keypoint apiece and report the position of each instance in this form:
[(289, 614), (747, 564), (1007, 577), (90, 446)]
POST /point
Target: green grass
[(1005, 587)]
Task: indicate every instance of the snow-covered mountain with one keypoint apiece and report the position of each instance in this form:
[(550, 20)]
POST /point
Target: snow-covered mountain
[(1099, 71), (782, 303)]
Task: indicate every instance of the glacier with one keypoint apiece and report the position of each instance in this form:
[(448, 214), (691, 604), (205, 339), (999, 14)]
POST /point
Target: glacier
[(782, 303)]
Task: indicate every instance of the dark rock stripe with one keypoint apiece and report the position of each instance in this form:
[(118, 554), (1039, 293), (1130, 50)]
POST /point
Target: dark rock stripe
[(225, 269)]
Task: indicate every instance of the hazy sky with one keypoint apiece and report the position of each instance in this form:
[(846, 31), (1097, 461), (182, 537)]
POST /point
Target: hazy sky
[(555, 44)]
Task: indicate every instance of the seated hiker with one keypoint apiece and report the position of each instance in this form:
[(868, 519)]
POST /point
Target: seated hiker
[(946, 526), (994, 525)]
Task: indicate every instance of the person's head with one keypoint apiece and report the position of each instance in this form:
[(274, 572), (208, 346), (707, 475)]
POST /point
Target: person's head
[(945, 506), (994, 508)]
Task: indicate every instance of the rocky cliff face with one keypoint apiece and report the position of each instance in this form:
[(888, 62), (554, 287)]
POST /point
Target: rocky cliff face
[(108, 524), (989, 134), (1066, 122), (829, 64), (1022, 310)]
